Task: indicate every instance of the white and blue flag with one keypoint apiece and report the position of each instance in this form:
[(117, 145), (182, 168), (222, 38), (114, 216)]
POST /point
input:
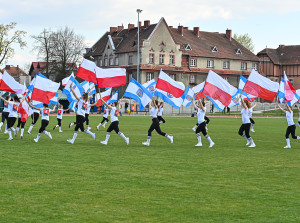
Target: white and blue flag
[(114, 97), (170, 99), (150, 86), (139, 93), (78, 89)]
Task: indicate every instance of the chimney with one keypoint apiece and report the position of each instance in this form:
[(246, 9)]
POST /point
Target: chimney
[(146, 23), (197, 31), (130, 26), (112, 30), (228, 33), (17, 67), (171, 27), (281, 46), (180, 29), (120, 28), (187, 28), (7, 67)]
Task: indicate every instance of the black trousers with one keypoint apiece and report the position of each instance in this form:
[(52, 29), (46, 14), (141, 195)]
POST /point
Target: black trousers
[(207, 120), (44, 125), (245, 128), (161, 119), (87, 121), (59, 122), (5, 116), (79, 123), (201, 128), (114, 126), (10, 122), (155, 126), (104, 119), (291, 130), (35, 116), (20, 123), (252, 121)]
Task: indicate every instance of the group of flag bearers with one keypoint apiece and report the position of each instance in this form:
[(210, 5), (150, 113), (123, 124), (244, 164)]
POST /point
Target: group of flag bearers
[(215, 89)]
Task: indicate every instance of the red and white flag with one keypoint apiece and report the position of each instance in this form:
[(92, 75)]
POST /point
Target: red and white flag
[(111, 77), (25, 111), (44, 90), (261, 86), (65, 80), (105, 96), (167, 84), (87, 71), (9, 84), (218, 88)]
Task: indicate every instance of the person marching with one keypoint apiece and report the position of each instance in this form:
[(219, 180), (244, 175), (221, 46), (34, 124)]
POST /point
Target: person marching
[(160, 112), (155, 123), (245, 127), (298, 123), (60, 112), (114, 125), (5, 113), (201, 109), (250, 116), (45, 120), (291, 129), (13, 113), (35, 117), (105, 119), (20, 124), (80, 116)]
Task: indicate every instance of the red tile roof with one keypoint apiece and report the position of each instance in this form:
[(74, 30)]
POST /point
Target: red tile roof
[(284, 55), (14, 71)]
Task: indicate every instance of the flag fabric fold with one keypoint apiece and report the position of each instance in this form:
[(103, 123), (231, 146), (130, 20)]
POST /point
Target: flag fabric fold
[(150, 86), (111, 77), (139, 93), (9, 84), (291, 95), (104, 95), (168, 85), (25, 111), (87, 71), (78, 89), (114, 97), (245, 95), (170, 99)]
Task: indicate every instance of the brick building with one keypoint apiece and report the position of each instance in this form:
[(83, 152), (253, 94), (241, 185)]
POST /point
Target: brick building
[(18, 74), (274, 62), (186, 55)]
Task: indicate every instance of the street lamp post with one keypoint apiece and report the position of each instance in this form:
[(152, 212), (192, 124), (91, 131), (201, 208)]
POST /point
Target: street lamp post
[(138, 50)]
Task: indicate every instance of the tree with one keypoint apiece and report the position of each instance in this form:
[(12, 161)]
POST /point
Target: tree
[(245, 40), (7, 40)]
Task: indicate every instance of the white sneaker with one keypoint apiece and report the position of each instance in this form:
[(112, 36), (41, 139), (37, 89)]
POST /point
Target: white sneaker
[(252, 145), (36, 140), (29, 132), (103, 126), (89, 128), (252, 130), (146, 143), (198, 144), (287, 147), (211, 144), (104, 142), (94, 136), (10, 138), (70, 141), (248, 142), (194, 129), (171, 139), (50, 136), (60, 131), (127, 141), (97, 127)]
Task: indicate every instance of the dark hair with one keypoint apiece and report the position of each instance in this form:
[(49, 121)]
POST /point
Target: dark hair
[(156, 102), (203, 103), (7, 97), (16, 98), (247, 104), (116, 103), (45, 105), (85, 96)]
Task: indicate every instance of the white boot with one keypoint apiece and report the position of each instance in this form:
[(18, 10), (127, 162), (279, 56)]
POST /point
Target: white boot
[(248, 141), (252, 144), (22, 133), (5, 131), (73, 139), (124, 137), (37, 137), (211, 143), (48, 134), (199, 140), (10, 136), (90, 133), (170, 138), (288, 144), (60, 129), (104, 124), (106, 139), (147, 143), (98, 126), (30, 129)]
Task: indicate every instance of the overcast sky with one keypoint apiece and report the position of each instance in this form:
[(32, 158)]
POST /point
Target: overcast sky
[(268, 22)]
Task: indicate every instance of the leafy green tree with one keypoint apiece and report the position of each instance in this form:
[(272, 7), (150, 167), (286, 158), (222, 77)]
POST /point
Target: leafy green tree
[(245, 40)]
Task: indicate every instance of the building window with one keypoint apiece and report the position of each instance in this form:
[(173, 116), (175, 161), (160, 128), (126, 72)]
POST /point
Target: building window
[(173, 76), (226, 65), (149, 76), (161, 59), (111, 61), (291, 81), (105, 62), (117, 60), (172, 59), (151, 58), (193, 62), (101, 63), (243, 66), (214, 49), (210, 63), (129, 77), (255, 66), (130, 60), (192, 79)]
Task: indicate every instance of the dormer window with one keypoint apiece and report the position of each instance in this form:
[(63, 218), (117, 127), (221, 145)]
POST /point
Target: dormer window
[(188, 47), (162, 43), (238, 51), (214, 49)]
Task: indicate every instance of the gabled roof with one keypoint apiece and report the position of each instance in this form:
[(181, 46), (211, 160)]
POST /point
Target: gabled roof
[(284, 55), (14, 71)]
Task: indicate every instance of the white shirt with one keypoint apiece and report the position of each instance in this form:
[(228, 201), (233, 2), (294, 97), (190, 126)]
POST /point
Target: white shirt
[(82, 106), (289, 118), (88, 108), (245, 116), (160, 112), (45, 113), (13, 109), (114, 114), (200, 115), (153, 112), (6, 108), (60, 113), (105, 112), (250, 112)]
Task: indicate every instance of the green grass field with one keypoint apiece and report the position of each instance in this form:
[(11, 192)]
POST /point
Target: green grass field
[(54, 181)]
